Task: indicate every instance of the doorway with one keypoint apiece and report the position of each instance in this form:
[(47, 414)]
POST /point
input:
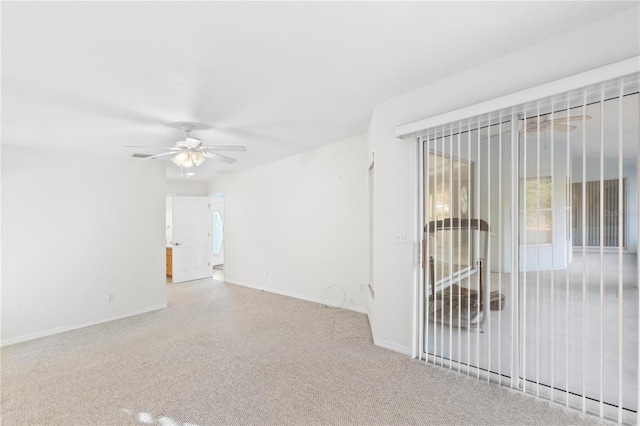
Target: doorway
[(217, 235), (169, 237)]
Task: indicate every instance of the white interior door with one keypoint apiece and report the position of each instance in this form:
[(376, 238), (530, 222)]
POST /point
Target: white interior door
[(217, 231), (191, 238)]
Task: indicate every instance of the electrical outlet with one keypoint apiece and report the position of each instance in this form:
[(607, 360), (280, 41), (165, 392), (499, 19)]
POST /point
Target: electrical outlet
[(401, 238), (266, 274), (110, 297)]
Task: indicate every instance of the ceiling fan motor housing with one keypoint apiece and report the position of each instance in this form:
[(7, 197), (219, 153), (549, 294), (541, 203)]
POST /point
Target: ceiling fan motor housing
[(189, 143)]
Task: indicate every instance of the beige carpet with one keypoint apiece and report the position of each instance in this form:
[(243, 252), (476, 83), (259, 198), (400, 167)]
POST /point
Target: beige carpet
[(223, 354)]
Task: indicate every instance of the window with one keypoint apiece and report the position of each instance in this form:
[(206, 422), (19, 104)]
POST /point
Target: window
[(535, 211)]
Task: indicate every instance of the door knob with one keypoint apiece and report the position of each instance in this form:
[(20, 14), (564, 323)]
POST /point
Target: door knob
[(177, 244)]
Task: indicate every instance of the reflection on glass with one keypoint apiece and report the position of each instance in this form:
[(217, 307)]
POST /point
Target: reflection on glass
[(579, 267), (536, 223), (453, 251), (468, 176), (561, 200), (449, 197)]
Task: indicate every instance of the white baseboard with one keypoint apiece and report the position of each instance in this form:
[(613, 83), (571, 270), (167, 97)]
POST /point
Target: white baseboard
[(62, 329), (405, 350), (297, 296)]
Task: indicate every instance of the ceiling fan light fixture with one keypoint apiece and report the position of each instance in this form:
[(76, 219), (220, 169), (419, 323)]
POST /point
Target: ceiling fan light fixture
[(196, 157), (188, 158), (181, 159)]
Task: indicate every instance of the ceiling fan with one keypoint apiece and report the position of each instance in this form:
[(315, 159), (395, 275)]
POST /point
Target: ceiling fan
[(190, 152), (561, 124)]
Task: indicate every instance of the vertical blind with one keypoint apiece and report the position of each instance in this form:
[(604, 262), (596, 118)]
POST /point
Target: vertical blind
[(613, 216), (530, 229)]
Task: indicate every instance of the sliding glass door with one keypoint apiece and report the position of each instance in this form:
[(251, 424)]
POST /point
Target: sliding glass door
[(530, 243), (578, 258), (467, 186)]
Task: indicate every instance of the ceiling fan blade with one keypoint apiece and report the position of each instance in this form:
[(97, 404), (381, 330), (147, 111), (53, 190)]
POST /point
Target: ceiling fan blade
[(536, 129), (572, 118), (155, 156), (238, 148), (562, 127), (173, 148), (533, 125), (220, 157)]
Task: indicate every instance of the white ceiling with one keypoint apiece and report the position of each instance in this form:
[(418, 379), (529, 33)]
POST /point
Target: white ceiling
[(280, 78)]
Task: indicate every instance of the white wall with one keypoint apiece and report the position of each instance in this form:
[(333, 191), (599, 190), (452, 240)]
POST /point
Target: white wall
[(190, 188), (597, 44), (76, 228), (299, 225)]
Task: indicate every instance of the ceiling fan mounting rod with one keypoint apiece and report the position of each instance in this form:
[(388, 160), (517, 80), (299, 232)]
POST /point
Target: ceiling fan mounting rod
[(186, 127)]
